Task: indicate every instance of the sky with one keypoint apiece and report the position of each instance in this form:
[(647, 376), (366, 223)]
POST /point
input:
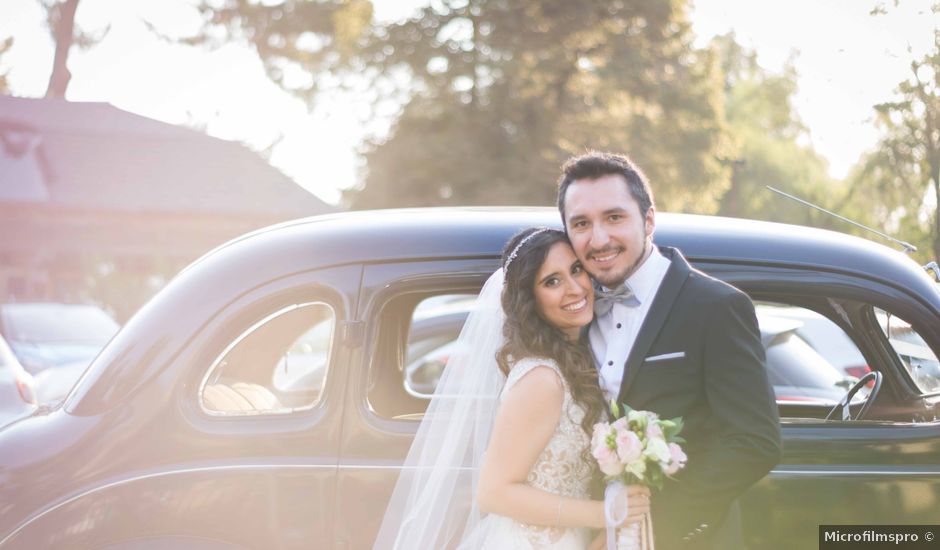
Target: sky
[(846, 59)]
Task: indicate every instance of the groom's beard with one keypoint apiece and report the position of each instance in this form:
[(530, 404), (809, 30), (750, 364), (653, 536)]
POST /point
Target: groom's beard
[(631, 269), (647, 251)]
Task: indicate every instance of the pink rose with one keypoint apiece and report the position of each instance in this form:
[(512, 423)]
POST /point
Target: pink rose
[(621, 424), (601, 431), (677, 459), (606, 457), (608, 461), (653, 431), (629, 446)]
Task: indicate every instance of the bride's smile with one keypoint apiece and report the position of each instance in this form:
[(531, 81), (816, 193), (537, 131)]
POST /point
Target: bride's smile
[(563, 291)]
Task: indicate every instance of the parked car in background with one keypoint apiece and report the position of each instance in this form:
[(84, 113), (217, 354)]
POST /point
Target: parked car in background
[(17, 387), (918, 359), (833, 343), (828, 339), (796, 370), (55, 342), (262, 399)]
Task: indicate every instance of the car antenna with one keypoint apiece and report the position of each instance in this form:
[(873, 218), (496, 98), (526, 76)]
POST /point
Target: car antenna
[(908, 247)]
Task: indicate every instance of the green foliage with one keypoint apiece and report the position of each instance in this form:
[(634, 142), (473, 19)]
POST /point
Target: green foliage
[(298, 41), (500, 93), (672, 428), (122, 285), (769, 144), (615, 409), (494, 94), (903, 172)]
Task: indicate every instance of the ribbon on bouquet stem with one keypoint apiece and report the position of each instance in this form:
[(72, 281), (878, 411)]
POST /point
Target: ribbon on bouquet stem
[(615, 500)]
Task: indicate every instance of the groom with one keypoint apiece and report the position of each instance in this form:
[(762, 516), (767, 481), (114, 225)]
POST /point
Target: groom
[(670, 339)]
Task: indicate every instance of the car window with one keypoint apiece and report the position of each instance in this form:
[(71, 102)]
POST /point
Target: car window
[(277, 366), (810, 359), (918, 359), (435, 326)]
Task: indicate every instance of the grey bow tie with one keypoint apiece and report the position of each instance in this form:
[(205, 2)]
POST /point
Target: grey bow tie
[(604, 299)]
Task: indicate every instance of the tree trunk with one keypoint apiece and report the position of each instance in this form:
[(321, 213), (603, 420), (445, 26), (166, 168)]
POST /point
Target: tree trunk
[(933, 160), (730, 203), (63, 34), (936, 222)]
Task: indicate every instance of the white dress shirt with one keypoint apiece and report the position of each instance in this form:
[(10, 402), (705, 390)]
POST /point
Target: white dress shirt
[(612, 334)]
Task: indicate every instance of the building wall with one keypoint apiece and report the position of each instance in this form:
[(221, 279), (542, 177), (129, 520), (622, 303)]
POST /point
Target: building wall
[(114, 260)]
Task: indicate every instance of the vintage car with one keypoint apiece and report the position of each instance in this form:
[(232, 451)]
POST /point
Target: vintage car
[(17, 387), (262, 399), (55, 342)]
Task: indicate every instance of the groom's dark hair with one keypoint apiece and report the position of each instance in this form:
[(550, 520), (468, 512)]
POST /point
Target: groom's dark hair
[(593, 165)]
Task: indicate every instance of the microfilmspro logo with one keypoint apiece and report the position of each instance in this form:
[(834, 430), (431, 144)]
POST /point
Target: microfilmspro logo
[(865, 537)]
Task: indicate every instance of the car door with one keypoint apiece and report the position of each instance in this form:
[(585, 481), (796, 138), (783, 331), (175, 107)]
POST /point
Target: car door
[(232, 445), (882, 470), (832, 472), (269, 407), (381, 413)]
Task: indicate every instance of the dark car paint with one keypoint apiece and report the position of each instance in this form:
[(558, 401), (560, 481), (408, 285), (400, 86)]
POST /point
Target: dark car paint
[(129, 457)]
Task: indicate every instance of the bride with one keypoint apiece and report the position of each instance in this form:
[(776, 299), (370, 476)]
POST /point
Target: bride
[(501, 459)]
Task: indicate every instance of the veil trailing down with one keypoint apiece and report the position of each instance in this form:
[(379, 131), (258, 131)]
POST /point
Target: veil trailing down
[(434, 501)]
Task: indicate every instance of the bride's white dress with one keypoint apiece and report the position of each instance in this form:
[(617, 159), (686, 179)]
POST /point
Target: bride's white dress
[(561, 469)]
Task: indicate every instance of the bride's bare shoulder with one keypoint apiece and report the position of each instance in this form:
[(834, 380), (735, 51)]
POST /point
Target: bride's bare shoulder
[(536, 380)]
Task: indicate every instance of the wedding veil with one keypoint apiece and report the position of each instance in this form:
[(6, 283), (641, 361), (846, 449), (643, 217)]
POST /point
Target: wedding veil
[(434, 502)]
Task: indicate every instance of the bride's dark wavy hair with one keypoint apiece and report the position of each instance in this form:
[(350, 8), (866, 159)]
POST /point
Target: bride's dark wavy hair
[(527, 334)]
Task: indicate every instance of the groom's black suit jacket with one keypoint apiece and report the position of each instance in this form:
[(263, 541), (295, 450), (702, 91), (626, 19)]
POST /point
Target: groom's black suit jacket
[(719, 388)]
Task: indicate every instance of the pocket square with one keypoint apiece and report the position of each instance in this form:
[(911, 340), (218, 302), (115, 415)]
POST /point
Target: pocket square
[(665, 356)]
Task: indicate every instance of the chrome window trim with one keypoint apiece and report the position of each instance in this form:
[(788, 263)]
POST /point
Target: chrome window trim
[(247, 332), (842, 471), (777, 472)]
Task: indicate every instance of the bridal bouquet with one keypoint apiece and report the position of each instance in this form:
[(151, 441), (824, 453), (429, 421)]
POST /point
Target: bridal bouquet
[(636, 448)]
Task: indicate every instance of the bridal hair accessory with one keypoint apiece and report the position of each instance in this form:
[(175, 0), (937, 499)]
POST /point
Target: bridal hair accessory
[(512, 255)]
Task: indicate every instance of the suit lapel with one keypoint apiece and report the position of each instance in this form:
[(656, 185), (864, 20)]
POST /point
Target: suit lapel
[(662, 304)]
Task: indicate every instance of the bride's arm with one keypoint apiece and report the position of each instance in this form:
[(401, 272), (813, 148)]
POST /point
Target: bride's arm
[(523, 427)]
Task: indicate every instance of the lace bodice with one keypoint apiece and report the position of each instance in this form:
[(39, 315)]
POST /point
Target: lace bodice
[(561, 468)]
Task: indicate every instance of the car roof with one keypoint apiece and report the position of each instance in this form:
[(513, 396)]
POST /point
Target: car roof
[(405, 234), (383, 236)]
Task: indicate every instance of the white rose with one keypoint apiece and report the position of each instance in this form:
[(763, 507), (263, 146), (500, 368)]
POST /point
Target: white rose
[(658, 450)]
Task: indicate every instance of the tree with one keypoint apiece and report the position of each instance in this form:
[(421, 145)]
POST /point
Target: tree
[(502, 92), (60, 17), (297, 40), (494, 94), (5, 46), (768, 138), (904, 170)]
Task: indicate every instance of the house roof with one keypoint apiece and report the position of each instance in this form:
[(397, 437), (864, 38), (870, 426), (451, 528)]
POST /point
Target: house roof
[(98, 157)]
